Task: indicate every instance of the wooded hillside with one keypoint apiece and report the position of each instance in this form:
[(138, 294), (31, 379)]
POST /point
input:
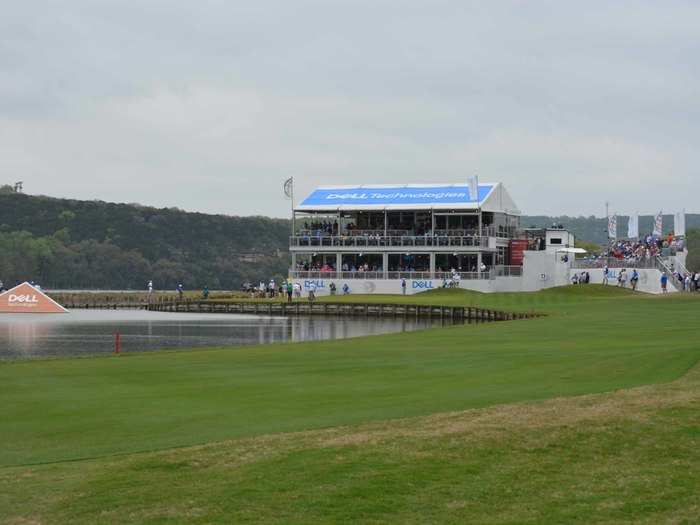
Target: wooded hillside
[(91, 244)]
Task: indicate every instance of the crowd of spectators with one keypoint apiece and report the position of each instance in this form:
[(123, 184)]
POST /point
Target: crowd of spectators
[(687, 281), (321, 228), (307, 266), (646, 248)]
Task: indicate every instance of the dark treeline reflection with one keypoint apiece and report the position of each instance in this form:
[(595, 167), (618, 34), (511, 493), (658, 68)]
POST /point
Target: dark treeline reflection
[(93, 331)]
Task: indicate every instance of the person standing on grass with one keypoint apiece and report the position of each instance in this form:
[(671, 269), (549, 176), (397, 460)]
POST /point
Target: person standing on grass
[(205, 293), (149, 287), (290, 291), (403, 286), (664, 283), (622, 279), (634, 280), (312, 291), (606, 275), (180, 291)]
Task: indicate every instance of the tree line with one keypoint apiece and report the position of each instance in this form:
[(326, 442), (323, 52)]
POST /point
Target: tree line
[(62, 243)]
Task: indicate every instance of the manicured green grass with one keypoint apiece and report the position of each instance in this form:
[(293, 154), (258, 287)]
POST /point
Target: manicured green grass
[(631, 456), (592, 340)]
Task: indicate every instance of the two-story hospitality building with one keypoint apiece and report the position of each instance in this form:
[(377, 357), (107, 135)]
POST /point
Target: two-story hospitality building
[(383, 234), (415, 237)]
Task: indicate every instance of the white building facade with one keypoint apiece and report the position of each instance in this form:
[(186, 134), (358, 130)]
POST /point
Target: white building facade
[(388, 239)]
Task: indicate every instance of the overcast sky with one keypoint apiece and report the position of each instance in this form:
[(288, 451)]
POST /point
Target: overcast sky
[(210, 105)]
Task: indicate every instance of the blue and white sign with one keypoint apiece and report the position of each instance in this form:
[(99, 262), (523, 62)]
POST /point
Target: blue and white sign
[(395, 195), (422, 285)]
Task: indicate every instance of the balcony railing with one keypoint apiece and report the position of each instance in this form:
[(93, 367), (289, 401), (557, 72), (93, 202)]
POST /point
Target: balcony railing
[(507, 271), (487, 231), (362, 241), (388, 275)]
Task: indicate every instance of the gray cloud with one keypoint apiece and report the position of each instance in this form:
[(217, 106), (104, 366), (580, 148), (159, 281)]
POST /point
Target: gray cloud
[(210, 105)]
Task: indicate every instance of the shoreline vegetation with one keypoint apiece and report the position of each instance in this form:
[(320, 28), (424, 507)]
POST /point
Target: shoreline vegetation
[(587, 414)]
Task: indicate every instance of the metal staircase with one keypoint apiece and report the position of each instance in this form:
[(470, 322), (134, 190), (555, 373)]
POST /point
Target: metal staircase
[(664, 265)]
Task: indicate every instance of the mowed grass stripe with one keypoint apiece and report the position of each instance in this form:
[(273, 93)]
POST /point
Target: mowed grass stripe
[(625, 457), (593, 340)]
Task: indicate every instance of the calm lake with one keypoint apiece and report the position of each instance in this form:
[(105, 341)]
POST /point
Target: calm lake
[(84, 332)]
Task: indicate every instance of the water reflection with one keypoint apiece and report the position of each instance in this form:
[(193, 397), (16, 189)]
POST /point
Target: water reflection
[(92, 331)]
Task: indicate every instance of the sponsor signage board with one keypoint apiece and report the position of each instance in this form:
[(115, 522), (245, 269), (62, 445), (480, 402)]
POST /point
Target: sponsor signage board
[(398, 195), (27, 299)]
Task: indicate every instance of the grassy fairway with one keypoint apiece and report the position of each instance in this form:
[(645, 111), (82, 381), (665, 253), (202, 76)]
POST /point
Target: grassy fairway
[(593, 340)]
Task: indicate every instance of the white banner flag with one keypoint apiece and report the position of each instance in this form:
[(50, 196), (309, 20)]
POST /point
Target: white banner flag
[(633, 227), (612, 227), (659, 225), (289, 188), (473, 188), (679, 224)]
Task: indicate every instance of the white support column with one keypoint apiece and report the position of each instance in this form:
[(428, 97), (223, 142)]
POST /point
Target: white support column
[(294, 261), (478, 262), (338, 262), (385, 264), (432, 263)]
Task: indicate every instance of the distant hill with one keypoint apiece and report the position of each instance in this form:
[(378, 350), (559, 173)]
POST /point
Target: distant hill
[(63, 243)]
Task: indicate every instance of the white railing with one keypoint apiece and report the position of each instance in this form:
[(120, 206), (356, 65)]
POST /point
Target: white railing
[(390, 275), (506, 271), (404, 241), (664, 266)]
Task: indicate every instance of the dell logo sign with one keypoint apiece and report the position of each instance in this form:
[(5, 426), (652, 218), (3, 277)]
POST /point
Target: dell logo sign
[(22, 299), (422, 285)]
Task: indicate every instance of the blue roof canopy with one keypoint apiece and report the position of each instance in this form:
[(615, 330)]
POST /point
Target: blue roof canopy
[(394, 196)]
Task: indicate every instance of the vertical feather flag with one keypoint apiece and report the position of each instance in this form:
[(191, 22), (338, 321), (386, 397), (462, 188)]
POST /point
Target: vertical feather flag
[(659, 224), (633, 227), (612, 226)]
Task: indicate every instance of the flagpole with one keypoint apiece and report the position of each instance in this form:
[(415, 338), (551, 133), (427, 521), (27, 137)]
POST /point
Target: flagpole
[(292, 193)]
